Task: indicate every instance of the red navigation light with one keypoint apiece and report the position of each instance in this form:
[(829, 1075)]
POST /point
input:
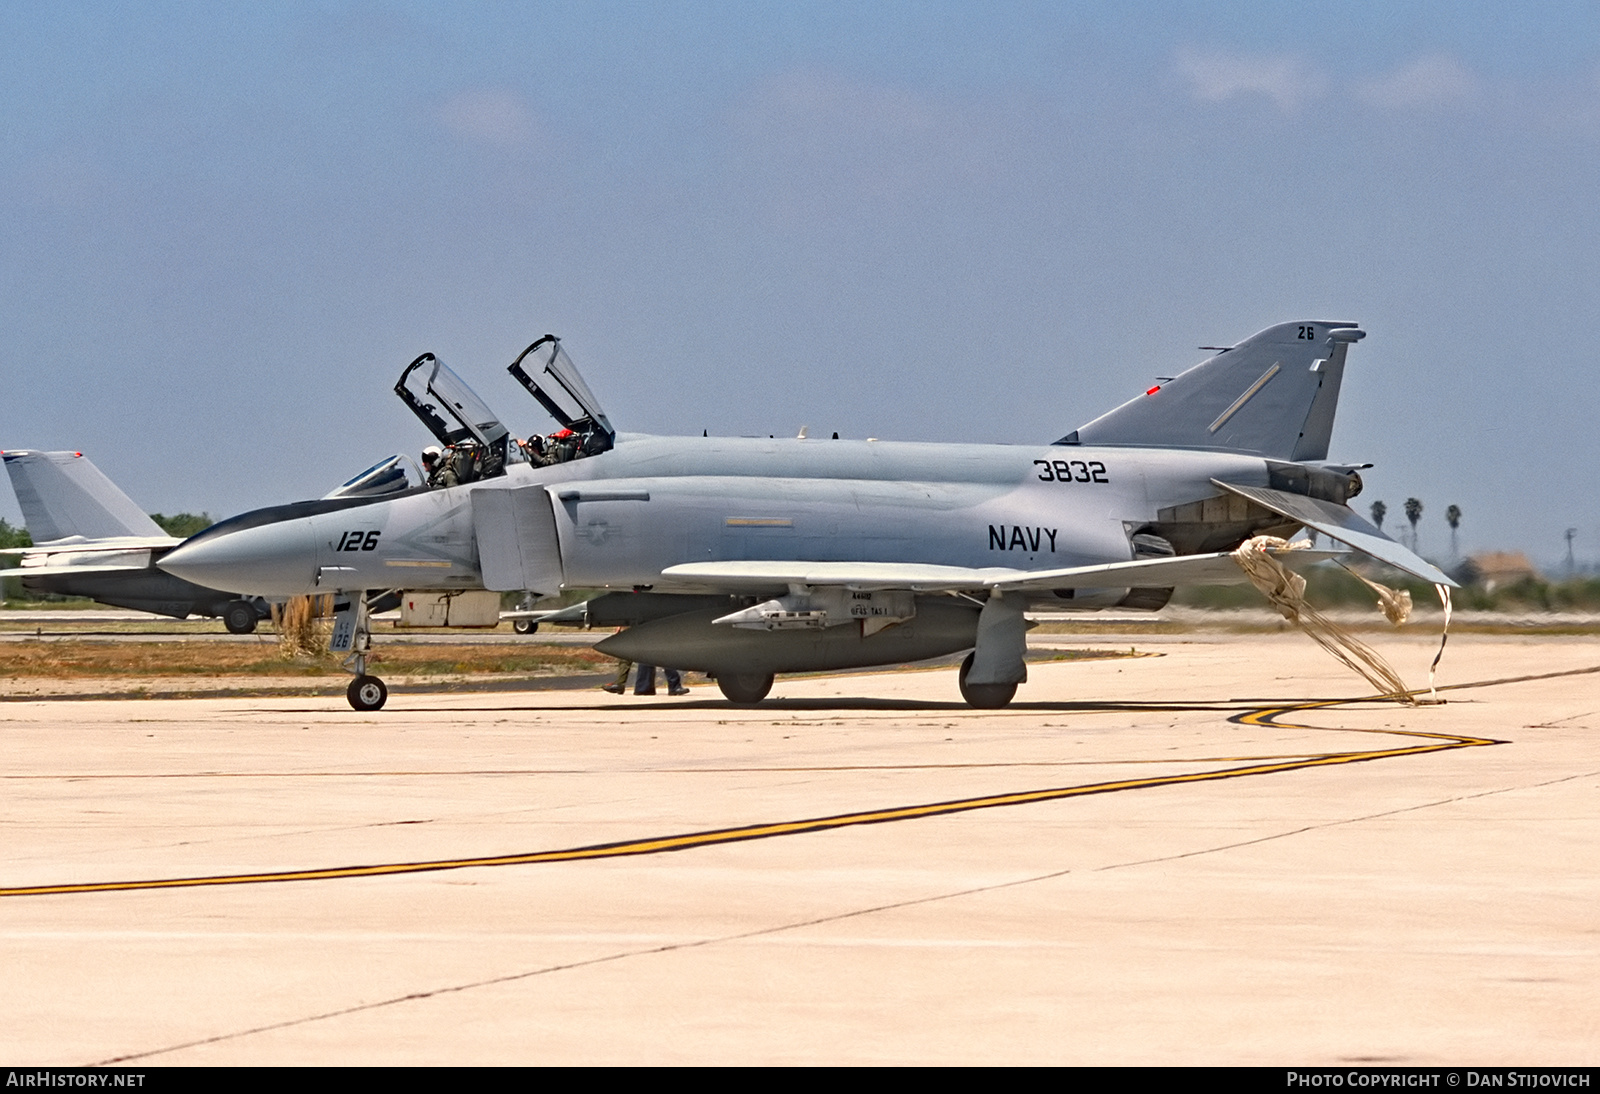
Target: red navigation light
[(1153, 390)]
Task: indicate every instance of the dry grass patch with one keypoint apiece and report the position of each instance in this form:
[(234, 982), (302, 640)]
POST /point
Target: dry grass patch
[(67, 659)]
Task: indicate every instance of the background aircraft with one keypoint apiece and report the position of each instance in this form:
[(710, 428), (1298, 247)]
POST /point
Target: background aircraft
[(746, 557), (91, 540)]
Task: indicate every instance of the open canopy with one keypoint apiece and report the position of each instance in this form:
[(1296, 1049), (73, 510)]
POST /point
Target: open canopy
[(449, 408), (567, 397)]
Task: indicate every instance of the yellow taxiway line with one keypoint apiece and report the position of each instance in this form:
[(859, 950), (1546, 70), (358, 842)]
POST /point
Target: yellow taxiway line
[(685, 841)]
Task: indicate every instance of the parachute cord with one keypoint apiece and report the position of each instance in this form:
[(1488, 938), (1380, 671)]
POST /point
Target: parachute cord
[(1444, 636), (1285, 590)]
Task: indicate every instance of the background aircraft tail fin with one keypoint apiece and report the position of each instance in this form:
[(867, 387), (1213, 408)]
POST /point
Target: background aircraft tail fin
[(63, 495), (1274, 394)]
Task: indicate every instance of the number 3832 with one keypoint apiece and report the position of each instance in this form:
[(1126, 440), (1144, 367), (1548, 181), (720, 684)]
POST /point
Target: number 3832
[(1071, 471)]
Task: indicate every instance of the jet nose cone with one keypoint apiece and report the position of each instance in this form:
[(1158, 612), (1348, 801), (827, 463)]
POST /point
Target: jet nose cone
[(273, 560)]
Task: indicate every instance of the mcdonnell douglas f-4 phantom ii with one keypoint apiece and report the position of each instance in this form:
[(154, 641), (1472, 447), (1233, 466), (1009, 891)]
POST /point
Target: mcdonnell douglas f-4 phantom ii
[(744, 557)]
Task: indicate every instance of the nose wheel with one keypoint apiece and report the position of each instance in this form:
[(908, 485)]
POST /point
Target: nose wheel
[(367, 693)]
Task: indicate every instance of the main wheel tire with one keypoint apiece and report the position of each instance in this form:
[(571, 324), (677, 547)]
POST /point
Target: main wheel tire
[(983, 696), (367, 693), (239, 617), (744, 688), (524, 626)]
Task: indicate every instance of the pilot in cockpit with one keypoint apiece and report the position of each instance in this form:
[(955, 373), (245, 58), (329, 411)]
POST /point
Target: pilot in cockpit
[(430, 464), (533, 449)]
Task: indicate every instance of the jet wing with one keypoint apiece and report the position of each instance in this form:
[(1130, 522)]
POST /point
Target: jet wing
[(96, 557), (78, 545), (755, 575), (1341, 523), (1209, 569), (74, 571)]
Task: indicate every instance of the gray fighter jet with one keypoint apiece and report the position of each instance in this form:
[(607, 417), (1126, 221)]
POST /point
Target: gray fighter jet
[(745, 558), (91, 540)]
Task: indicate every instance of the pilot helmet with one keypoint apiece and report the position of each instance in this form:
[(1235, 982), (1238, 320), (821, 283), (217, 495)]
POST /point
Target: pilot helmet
[(431, 454)]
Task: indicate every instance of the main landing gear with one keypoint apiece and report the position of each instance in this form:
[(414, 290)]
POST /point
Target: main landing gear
[(744, 688), (983, 696), (352, 635), (239, 617)]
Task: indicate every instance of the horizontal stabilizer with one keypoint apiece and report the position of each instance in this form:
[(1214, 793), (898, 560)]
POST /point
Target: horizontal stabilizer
[(1217, 568), (1341, 523), (1209, 569)]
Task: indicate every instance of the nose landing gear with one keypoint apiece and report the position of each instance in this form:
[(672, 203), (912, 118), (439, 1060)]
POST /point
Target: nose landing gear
[(352, 635)]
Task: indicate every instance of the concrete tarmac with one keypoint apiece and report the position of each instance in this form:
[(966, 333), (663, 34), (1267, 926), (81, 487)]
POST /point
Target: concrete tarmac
[(1162, 860)]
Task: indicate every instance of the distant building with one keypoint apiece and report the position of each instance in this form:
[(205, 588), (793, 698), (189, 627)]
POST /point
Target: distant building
[(1493, 569)]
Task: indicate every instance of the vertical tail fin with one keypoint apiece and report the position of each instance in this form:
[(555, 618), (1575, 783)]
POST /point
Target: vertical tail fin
[(1274, 395), (63, 495)]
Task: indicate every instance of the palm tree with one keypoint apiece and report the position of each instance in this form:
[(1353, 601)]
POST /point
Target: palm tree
[(1452, 517), (1379, 511), (1413, 514)]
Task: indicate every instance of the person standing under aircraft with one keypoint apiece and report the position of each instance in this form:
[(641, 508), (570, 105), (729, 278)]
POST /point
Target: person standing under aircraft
[(619, 685), (645, 682)]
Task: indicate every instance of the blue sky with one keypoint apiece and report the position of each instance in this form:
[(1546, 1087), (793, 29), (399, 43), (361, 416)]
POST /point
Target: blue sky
[(223, 232)]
